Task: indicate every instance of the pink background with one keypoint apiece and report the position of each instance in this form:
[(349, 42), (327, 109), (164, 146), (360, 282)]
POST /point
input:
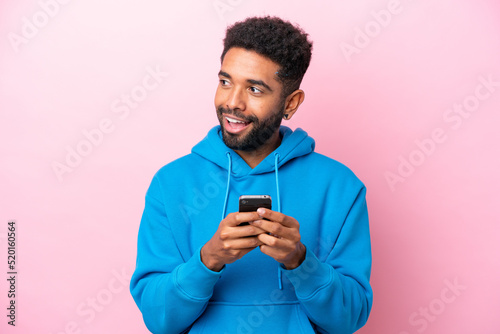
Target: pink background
[(383, 105)]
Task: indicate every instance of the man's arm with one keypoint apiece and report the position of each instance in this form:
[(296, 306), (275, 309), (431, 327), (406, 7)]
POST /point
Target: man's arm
[(231, 241), (336, 294), (173, 291)]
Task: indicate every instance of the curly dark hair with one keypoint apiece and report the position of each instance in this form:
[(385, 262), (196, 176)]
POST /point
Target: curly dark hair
[(279, 40)]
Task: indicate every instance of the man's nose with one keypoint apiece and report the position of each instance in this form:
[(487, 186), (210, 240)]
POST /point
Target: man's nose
[(236, 99)]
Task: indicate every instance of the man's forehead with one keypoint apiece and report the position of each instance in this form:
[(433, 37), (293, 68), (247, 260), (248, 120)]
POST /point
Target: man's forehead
[(250, 65)]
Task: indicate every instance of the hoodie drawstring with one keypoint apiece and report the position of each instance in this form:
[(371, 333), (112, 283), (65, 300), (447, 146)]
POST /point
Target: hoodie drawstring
[(278, 200), (227, 186), (276, 157)]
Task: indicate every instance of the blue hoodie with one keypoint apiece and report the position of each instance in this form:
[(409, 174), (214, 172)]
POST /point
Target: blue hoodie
[(328, 293)]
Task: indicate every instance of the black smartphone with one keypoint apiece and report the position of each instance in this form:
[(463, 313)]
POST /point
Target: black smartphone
[(250, 203)]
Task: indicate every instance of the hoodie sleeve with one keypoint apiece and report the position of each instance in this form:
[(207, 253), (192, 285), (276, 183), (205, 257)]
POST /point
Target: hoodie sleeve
[(336, 294), (170, 291)]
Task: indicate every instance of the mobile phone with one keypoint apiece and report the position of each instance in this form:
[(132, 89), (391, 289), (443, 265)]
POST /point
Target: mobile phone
[(250, 203)]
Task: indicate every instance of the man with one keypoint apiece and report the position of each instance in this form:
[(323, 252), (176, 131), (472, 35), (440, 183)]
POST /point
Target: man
[(302, 267)]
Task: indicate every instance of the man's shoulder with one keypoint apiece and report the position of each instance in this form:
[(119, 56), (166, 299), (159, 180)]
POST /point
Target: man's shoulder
[(326, 167), (181, 165)]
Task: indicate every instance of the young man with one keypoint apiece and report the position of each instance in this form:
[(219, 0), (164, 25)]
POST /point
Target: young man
[(302, 267)]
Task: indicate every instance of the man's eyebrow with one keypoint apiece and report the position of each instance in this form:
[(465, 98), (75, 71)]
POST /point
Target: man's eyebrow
[(260, 83), (252, 81), (224, 74)]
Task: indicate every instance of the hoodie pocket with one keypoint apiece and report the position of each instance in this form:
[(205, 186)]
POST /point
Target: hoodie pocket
[(253, 319)]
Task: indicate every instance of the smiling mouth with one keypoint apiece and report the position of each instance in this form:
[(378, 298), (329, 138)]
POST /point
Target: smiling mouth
[(234, 125)]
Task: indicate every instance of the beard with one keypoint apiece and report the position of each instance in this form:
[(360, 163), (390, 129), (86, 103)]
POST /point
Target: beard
[(262, 129)]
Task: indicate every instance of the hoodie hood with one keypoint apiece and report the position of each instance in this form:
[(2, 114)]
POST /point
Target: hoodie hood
[(293, 144)]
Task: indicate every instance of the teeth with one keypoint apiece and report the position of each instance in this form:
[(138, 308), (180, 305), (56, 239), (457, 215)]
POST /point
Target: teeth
[(232, 120)]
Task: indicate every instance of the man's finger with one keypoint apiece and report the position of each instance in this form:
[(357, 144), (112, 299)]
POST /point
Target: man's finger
[(270, 227), (243, 243), (236, 218), (273, 241), (235, 232), (277, 217)]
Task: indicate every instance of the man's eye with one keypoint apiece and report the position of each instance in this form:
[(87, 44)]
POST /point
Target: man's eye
[(224, 82), (255, 90)]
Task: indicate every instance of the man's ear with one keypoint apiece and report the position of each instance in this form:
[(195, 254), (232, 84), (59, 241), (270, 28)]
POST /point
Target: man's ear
[(292, 103)]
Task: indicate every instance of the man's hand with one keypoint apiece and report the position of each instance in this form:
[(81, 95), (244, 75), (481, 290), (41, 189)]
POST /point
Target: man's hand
[(231, 241), (282, 242)]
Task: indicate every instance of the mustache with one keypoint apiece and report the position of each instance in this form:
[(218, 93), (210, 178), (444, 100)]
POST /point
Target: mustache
[(228, 111)]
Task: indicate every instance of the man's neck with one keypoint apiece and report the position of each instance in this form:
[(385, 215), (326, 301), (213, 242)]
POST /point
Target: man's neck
[(254, 157)]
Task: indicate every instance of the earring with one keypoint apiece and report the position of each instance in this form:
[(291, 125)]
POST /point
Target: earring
[(286, 116)]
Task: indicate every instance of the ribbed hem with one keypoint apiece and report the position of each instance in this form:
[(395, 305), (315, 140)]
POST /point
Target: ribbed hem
[(310, 276), (195, 279)]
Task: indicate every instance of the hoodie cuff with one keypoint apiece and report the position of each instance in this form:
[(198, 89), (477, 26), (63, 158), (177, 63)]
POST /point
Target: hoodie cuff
[(195, 279), (310, 276)]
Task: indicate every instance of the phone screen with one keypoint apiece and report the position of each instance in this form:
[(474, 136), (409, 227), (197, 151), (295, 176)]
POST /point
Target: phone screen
[(250, 203)]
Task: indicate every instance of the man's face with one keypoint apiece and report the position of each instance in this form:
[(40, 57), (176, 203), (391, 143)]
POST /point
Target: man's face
[(248, 99)]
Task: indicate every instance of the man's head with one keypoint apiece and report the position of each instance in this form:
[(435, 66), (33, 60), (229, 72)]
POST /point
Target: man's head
[(278, 40), (262, 66)]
